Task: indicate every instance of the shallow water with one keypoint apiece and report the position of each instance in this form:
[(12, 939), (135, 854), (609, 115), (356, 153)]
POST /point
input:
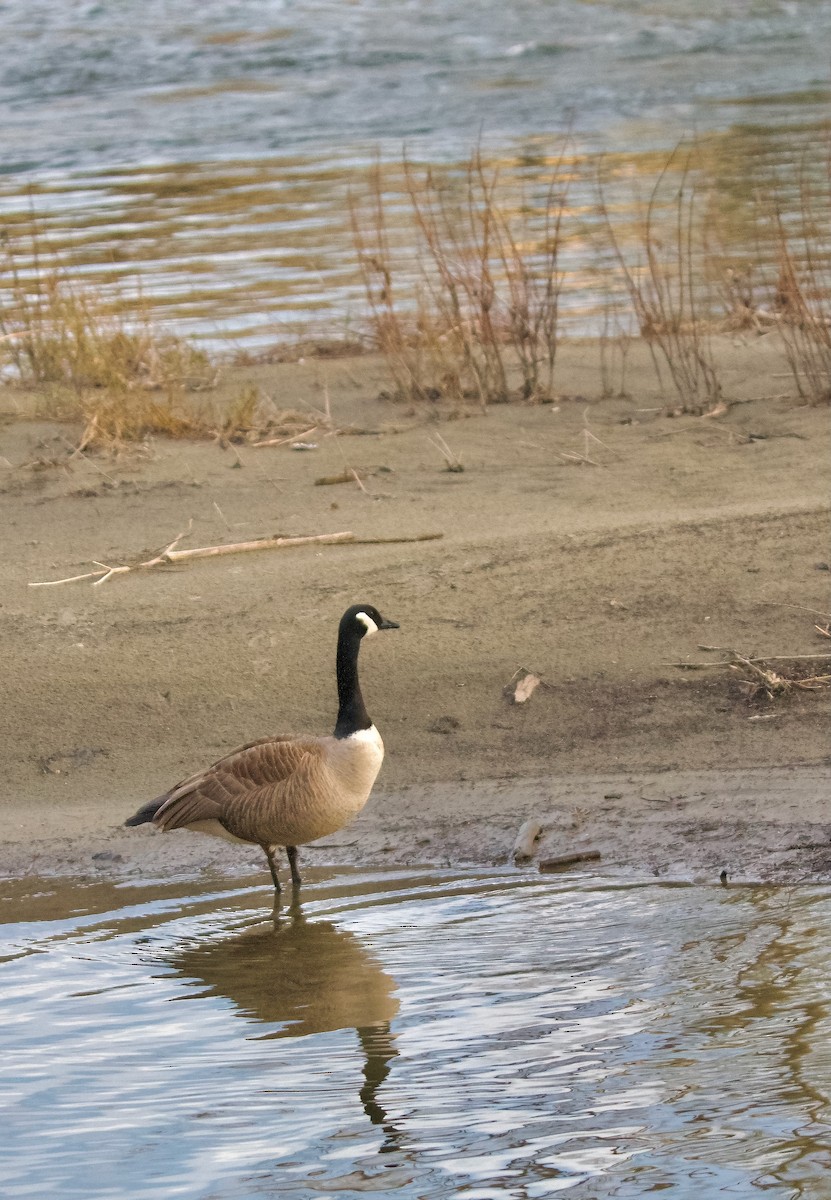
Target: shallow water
[(205, 162), (415, 1034)]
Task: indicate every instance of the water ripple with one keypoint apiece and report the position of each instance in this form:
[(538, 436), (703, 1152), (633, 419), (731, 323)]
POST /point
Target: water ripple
[(475, 1035)]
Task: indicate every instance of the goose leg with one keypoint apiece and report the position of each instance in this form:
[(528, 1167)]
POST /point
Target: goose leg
[(272, 866), (296, 877)]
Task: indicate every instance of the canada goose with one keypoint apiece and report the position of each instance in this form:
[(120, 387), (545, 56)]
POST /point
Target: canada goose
[(286, 791)]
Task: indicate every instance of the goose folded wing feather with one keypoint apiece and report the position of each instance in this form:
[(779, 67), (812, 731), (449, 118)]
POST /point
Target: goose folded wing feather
[(242, 786)]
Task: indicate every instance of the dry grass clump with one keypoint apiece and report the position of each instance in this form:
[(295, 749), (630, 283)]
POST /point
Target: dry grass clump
[(63, 334), (124, 379), (483, 325)]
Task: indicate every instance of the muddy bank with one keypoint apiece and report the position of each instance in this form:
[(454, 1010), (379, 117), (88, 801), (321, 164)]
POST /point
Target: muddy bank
[(755, 825), (594, 542)]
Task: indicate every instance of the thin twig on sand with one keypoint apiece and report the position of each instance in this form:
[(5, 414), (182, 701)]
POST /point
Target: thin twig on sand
[(453, 461)]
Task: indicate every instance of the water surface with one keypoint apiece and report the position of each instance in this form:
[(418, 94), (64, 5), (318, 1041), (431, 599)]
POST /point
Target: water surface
[(415, 1034)]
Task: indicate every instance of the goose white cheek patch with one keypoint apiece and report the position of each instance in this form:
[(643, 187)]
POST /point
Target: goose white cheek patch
[(371, 627)]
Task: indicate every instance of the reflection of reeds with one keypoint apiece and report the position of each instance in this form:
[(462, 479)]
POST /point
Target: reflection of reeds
[(483, 326), (666, 292), (803, 291)]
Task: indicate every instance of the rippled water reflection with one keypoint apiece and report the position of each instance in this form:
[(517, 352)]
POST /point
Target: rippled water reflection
[(417, 1035)]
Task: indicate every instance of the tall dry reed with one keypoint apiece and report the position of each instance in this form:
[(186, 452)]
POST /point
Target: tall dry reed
[(475, 316)]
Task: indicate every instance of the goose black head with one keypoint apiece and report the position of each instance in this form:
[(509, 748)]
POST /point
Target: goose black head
[(364, 619)]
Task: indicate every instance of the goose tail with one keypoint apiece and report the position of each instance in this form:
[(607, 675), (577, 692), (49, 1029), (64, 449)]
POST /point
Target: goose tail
[(147, 812)]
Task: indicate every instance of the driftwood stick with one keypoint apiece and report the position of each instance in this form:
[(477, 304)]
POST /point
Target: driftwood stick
[(566, 860), (526, 839), (170, 554), (273, 543)]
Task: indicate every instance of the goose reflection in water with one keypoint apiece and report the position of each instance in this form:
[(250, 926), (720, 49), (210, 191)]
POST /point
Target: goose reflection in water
[(307, 977)]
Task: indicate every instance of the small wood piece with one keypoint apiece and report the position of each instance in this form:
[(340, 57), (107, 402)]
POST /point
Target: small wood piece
[(347, 476), (526, 839), (526, 687), (567, 860), (521, 685)]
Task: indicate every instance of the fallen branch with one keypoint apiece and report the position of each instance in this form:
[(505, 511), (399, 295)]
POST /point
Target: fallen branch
[(762, 676), (170, 554), (700, 666)]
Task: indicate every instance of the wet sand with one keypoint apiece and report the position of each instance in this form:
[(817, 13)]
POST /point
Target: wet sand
[(597, 575)]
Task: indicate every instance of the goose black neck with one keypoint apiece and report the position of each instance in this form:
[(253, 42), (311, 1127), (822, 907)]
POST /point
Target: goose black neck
[(352, 714)]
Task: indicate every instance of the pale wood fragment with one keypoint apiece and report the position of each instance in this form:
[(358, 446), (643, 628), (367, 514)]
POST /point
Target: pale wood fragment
[(526, 839)]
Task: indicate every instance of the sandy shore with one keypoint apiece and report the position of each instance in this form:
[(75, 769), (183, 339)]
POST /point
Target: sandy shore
[(597, 575)]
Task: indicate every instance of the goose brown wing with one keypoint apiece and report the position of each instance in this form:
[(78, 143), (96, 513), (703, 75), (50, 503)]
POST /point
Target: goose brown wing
[(239, 786)]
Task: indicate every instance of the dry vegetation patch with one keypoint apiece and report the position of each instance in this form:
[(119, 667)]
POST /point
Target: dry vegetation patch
[(465, 306)]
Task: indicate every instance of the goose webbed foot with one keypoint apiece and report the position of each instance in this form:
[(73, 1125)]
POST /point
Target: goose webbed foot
[(296, 877)]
